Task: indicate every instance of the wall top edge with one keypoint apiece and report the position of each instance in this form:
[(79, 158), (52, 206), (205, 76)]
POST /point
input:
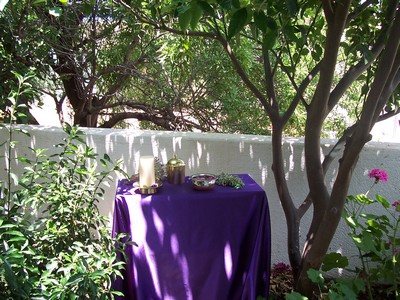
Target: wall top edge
[(197, 135)]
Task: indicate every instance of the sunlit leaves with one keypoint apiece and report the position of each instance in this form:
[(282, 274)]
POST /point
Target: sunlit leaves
[(55, 255), (383, 201), (190, 14)]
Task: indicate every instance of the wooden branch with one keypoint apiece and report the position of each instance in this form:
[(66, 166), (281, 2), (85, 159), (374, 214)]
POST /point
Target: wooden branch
[(387, 69), (318, 109), (391, 84), (269, 81), (353, 73), (117, 117), (215, 36)]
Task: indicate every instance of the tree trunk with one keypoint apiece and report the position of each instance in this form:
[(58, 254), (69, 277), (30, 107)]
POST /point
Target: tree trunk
[(292, 220)]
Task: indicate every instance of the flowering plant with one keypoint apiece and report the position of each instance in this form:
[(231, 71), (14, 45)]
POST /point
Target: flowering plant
[(378, 174), (281, 281), (376, 236)]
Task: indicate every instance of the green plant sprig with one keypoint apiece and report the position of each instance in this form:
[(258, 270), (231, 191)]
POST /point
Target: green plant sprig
[(229, 180)]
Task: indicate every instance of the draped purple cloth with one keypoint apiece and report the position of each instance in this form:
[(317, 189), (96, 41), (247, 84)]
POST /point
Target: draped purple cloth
[(200, 245)]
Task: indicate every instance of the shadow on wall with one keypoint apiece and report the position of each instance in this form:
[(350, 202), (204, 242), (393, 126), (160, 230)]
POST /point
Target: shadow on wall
[(216, 153)]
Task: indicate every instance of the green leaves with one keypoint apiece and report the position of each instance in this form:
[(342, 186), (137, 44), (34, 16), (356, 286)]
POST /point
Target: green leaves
[(295, 296), (238, 21), (268, 27), (55, 256), (316, 277), (292, 6), (382, 201), (225, 4), (184, 19), (334, 260), (376, 237), (261, 20), (190, 14)]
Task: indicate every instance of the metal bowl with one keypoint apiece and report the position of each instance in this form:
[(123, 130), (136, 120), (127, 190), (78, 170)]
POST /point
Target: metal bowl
[(203, 181)]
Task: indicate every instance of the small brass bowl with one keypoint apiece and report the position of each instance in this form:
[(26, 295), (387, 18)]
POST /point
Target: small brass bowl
[(203, 181)]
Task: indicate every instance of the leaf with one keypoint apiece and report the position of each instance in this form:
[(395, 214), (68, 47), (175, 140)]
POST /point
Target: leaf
[(357, 284), (24, 160), (18, 239), (269, 40), (51, 265), (292, 6), (197, 13), (184, 19), (260, 19), (8, 225), (334, 260), (98, 273), (225, 4), (316, 277), (237, 23), (350, 221), (207, 8), (317, 52), (383, 201), (364, 199), (366, 244), (346, 292), (236, 3), (12, 280), (74, 279), (14, 232), (295, 296)]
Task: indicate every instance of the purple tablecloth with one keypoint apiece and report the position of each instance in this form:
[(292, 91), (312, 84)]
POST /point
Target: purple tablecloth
[(200, 245)]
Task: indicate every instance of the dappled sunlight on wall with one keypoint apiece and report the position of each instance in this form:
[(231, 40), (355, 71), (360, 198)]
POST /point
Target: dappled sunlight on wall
[(216, 153)]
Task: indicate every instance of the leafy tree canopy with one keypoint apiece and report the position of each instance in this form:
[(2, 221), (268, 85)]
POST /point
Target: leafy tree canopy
[(313, 58)]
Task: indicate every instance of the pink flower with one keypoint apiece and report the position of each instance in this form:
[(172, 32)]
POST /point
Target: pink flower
[(280, 268), (389, 242), (378, 174), (396, 204), (396, 251)]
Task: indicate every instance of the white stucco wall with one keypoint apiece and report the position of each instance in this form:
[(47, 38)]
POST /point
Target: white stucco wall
[(215, 153)]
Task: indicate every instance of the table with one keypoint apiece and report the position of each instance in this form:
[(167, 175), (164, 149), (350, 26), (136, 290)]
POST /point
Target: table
[(200, 245)]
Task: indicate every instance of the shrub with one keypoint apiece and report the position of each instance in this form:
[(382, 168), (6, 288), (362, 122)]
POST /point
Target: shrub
[(54, 242)]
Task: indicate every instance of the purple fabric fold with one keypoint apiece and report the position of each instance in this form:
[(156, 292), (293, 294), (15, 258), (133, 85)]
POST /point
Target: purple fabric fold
[(210, 245)]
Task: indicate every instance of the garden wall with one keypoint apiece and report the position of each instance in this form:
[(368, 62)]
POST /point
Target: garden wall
[(216, 153)]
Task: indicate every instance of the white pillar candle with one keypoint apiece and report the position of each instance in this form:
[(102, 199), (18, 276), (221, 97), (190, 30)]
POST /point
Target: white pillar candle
[(147, 175)]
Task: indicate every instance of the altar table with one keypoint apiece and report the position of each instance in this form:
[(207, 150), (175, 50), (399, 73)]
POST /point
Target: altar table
[(200, 245)]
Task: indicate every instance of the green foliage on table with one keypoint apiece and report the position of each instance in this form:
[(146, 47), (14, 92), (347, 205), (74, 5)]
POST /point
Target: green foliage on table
[(55, 244), (229, 180)]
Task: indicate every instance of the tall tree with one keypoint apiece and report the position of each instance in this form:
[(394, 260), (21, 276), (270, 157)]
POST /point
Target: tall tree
[(308, 44), (109, 68)]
